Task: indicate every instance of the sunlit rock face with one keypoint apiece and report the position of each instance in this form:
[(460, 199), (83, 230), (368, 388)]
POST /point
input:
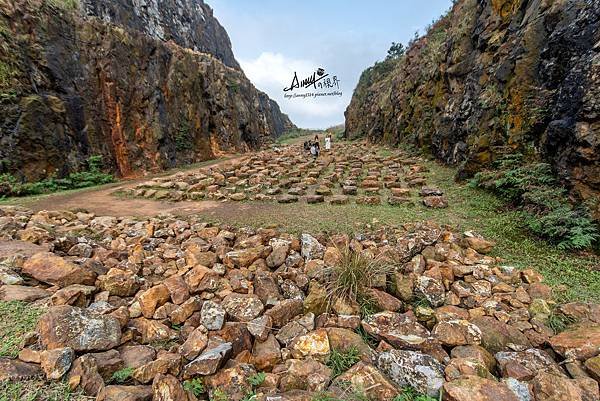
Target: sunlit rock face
[(495, 77), (134, 90), (189, 23)]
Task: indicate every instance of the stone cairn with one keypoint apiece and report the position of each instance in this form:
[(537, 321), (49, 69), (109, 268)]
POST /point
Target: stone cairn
[(174, 300)]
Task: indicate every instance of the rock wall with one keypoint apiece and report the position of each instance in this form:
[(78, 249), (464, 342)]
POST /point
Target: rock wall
[(189, 23), (494, 77), (72, 86)]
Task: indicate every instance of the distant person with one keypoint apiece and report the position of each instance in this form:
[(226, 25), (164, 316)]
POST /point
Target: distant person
[(314, 150), (328, 142)]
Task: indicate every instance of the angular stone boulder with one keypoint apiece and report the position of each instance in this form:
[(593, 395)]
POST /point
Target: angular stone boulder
[(68, 326)]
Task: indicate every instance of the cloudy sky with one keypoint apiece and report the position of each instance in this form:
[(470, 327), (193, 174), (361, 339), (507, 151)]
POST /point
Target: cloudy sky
[(272, 39)]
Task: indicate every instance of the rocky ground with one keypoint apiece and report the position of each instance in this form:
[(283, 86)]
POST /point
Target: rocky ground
[(353, 172), (174, 308)]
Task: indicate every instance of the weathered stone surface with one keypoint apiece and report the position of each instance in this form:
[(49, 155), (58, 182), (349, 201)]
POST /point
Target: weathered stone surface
[(314, 345), (266, 354), (409, 368), (242, 308), (67, 326), (284, 311), (549, 387), (152, 298), (212, 315), (208, 362), (365, 378), (526, 364), (579, 343), (13, 369), (22, 293), (194, 344), (400, 330), (56, 362), (125, 393), (474, 388), (498, 336), (119, 282), (457, 332), (167, 388), (52, 269), (305, 374)]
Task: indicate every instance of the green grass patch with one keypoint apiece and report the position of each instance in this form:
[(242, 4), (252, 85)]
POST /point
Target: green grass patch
[(195, 386), (410, 394), (121, 375), (340, 361), (37, 390), (91, 176), (16, 319)]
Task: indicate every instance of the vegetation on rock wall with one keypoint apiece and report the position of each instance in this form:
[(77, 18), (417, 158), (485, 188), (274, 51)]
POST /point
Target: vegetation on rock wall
[(494, 78), (547, 212), (93, 175)]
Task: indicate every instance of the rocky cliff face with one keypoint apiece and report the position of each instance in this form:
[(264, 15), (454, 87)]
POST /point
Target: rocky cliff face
[(495, 77), (74, 85), (188, 23)]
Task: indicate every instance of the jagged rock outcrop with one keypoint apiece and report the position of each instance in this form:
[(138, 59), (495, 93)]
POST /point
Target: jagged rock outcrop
[(189, 23), (494, 77), (73, 85)]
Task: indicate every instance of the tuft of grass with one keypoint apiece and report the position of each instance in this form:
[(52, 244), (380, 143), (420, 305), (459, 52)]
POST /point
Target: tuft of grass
[(410, 394), (353, 275), (559, 322), (122, 375), (195, 386), (16, 319), (340, 361)]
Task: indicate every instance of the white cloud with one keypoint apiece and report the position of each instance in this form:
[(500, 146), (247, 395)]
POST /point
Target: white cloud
[(271, 72)]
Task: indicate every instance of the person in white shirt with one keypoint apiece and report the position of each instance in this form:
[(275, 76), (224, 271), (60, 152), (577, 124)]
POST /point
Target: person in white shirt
[(328, 143)]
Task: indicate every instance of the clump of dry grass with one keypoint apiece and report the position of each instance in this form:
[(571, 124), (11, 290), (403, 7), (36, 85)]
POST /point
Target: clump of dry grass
[(354, 273)]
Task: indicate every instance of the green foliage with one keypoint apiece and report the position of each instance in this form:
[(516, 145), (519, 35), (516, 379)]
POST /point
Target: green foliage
[(195, 386), (16, 319), (410, 394), (183, 137), (121, 375), (7, 73), (219, 395), (257, 379), (250, 396), (547, 212), (395, 51), (558, 322), (93, 175), (340, 361)]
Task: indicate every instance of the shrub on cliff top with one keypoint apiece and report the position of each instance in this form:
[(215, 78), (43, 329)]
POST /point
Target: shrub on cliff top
[(547, 210)]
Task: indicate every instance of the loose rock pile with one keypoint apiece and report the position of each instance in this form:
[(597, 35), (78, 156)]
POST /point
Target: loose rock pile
[(174, 299), (288, 174)]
